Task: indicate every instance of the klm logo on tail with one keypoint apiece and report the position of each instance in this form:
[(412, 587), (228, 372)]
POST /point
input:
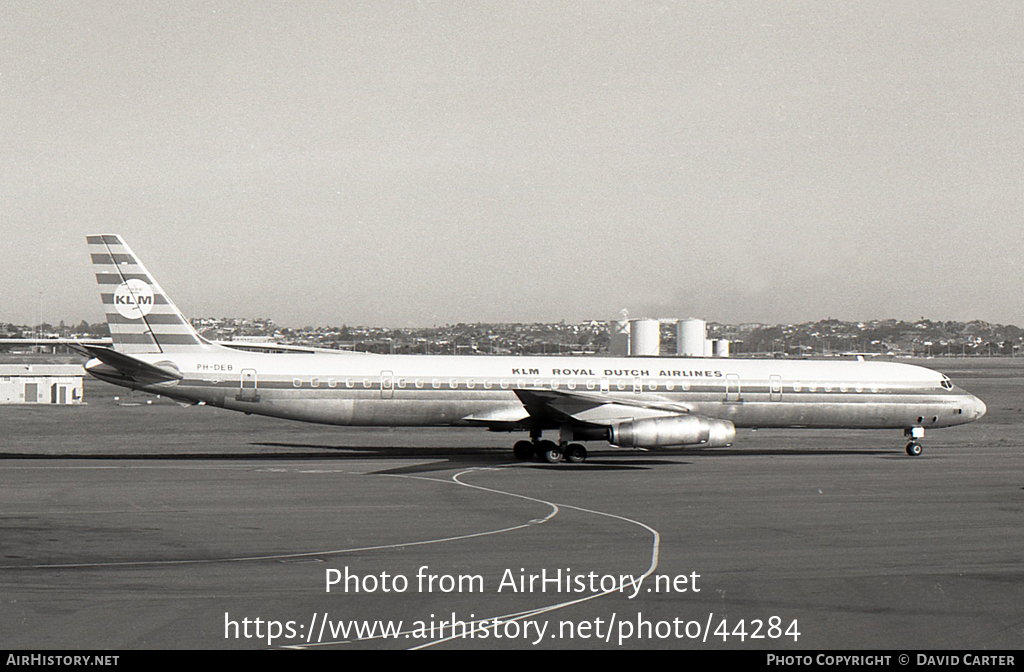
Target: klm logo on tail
[(133, 299), (140, 316)]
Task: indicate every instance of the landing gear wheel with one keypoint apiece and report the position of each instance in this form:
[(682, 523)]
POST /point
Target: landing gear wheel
[(550, 451), (523, 450), (575, 453), (914, 449)]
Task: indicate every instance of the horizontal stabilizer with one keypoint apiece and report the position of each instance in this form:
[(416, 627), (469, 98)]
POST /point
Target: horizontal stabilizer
[(126, 367)]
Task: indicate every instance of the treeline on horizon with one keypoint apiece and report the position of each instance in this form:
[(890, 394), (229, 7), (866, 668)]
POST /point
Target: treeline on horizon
[(923, 336)]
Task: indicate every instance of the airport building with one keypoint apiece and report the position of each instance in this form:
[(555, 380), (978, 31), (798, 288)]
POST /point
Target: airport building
[(41, 383)]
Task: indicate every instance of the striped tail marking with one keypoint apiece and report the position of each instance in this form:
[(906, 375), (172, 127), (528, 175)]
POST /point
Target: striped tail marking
[(141, 317)]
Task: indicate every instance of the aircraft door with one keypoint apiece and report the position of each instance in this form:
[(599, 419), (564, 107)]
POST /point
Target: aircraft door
[(387, 384), (247, 386), (775, 388), (732, 388)]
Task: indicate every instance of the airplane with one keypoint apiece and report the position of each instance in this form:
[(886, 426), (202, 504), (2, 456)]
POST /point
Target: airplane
[(631, 402)]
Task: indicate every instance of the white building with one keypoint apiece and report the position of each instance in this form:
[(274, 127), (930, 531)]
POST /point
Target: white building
[(41, 383)]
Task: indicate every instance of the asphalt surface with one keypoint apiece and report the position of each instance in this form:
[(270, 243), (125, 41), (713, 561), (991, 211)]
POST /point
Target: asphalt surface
[(132, 525)]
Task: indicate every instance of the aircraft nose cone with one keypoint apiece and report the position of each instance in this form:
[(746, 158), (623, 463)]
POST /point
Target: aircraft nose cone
[(979, 408)]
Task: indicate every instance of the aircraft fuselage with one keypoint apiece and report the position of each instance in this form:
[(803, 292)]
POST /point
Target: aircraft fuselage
[(636, 402), (413, 390)]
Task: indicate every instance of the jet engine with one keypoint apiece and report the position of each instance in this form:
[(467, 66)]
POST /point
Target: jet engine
[(673, 431)]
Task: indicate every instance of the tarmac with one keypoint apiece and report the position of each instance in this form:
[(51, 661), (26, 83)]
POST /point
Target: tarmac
[(134, 525)]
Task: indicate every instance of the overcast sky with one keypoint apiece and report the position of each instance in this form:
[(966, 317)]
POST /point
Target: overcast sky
[(419, 163)]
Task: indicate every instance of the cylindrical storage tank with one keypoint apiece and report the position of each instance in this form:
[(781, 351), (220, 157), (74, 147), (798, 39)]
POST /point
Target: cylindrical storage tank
[(618, 338), (644, 338), (690, 337), (722, 347)]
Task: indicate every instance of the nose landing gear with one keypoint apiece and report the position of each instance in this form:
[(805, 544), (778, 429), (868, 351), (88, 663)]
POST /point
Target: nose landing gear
[(914, 433)]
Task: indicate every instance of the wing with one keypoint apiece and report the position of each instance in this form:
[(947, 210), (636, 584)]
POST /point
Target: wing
[(582, 408), (551, 409)]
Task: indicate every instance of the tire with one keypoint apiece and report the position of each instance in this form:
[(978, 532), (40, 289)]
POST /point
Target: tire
[(550, 451), (914, 449), (575, 453), (523, 450)]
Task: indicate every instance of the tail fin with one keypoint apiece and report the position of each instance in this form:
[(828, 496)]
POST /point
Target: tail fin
[(141, 317)]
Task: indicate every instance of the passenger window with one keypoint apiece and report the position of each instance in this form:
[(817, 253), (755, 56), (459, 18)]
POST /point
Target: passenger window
[(297, 382), (504, 384), (315, 382), (332, 383), (436, 384)]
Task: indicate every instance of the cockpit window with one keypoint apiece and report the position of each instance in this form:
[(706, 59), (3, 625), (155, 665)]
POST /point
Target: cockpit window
[(947, 383)]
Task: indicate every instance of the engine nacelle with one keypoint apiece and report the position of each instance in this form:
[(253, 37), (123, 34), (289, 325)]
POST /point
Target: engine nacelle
[(673, 431)]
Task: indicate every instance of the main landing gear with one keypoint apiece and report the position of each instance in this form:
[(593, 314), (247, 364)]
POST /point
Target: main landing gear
[(549, 451), (914, 448)]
